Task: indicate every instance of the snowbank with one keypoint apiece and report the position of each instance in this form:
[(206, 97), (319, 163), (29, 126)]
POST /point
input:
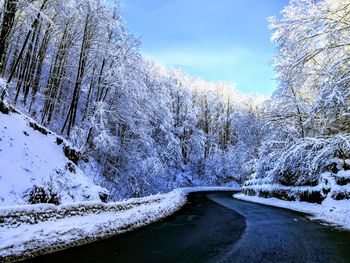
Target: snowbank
[(82, 224), (336, 213), (33, 158), (328, 200)]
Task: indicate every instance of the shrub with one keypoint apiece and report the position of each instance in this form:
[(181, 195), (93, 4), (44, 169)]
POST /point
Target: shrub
[(302, 163), (39, 195)]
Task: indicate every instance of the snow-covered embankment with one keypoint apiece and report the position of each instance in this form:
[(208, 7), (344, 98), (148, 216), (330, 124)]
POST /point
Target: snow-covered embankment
[(333, 212), (38, 166)]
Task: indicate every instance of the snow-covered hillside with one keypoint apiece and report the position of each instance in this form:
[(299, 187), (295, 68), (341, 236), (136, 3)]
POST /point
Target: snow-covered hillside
[(34, 167)]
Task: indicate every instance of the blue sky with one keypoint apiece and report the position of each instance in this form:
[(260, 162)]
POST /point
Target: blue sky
[(212, 39)]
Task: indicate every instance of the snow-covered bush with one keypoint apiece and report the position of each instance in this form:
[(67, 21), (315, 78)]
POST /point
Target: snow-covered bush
[(302, 163), (39, 195), (221, 168)]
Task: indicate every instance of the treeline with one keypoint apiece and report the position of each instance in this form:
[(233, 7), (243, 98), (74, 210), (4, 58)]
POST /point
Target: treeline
[(307, 142), (74, 67)]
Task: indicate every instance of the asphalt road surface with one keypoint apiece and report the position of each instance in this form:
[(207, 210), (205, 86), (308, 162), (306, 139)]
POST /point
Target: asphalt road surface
[(214, 227)]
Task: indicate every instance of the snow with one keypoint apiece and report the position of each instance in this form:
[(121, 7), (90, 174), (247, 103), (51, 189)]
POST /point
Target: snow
[(27, 240), (2, 85), (272, 187), (336, 213), (30, 158)]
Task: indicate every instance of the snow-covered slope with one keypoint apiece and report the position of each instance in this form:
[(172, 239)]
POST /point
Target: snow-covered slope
[(34, 167)]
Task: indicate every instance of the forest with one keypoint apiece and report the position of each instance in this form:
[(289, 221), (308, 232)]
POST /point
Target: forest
[(73, 66)]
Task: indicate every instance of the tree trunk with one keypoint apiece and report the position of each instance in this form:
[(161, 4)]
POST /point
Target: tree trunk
[(71, 116), (10, 9), (34, 25)]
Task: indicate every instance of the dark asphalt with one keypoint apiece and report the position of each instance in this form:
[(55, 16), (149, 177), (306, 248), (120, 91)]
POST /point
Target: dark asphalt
[(214, 227), (279, 235)]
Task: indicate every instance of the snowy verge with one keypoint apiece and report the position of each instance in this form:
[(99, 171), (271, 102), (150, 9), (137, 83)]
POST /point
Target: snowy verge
[(336, 213), (34, 165), (26, 240)]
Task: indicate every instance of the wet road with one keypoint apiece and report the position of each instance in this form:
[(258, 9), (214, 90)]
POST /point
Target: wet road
[(214, 227)]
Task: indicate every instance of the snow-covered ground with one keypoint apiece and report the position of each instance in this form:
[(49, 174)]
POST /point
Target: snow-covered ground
[(30, 158), (336, 213), (27, 240)]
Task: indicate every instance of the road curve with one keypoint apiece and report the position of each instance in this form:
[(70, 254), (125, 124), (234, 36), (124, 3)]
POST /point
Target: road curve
[(214, 227), (280, 235)]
